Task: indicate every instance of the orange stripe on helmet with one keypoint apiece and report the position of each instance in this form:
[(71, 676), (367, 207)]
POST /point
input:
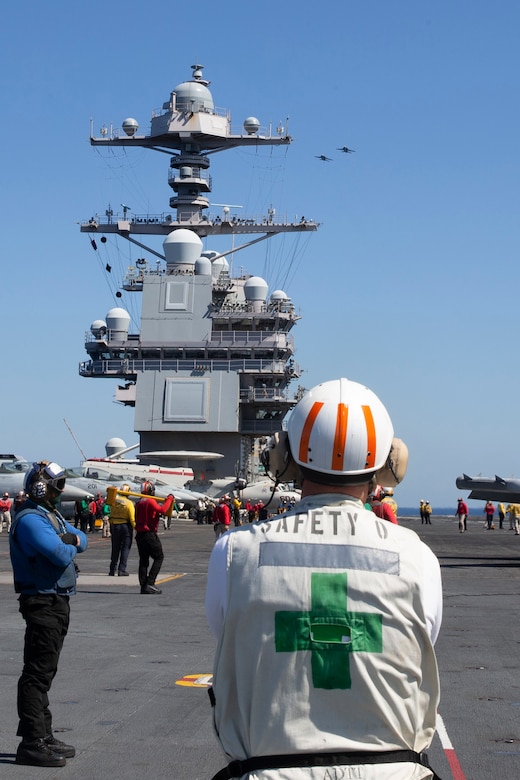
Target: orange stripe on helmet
[(371, 436), (340, 437), (306, 431)]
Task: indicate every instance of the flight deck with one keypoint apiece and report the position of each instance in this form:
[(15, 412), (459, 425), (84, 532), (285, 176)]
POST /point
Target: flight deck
[(131, 689)]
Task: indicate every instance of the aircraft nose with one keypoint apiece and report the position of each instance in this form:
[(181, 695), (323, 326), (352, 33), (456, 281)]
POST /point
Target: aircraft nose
[(72, 493)]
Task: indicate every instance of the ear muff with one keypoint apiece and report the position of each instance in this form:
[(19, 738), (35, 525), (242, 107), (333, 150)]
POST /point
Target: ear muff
[(394, 470), (38, 489), (43, 477), (277, 459)]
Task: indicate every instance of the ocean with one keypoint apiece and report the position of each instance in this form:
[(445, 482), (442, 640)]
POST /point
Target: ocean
[(439, 511)]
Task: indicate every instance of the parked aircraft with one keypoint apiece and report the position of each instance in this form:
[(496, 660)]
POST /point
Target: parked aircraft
[(168, 467), (169, 477), (100, 484), (182, 495), (12, 477), (133, 469), (263, 490), (490, 489), (161, 468)]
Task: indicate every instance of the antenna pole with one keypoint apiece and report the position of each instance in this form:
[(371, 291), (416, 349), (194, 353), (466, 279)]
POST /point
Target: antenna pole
[(75, 440)]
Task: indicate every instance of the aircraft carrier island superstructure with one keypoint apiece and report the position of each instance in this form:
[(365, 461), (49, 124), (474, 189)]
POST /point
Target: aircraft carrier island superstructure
[(210, 369)]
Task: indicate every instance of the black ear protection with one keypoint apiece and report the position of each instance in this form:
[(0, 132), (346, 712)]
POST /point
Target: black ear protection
[(37, 487), (42, 477), (38, 490)]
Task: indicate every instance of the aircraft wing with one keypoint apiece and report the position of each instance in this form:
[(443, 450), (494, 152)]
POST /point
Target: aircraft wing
[(13, 483), (167, 457), (182, 495), (490, 489)]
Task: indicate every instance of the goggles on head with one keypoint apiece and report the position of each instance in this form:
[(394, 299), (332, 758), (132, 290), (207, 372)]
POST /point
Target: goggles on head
[(54, 476)]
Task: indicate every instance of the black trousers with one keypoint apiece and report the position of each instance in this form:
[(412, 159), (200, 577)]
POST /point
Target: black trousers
[(121, 537), (47, 622), (149, 546)]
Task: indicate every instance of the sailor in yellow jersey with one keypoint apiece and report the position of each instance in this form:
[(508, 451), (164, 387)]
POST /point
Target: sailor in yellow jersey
[(514, 517), (122, 526), (388, 498), (326, 616), (501, 514)]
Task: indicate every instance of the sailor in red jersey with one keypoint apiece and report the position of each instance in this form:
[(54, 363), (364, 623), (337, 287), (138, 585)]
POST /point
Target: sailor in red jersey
[(222, 517), (381, 508), (147, 516)]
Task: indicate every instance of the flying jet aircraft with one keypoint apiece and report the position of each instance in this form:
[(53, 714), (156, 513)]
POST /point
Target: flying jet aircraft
[(323, 158), (346, 149)]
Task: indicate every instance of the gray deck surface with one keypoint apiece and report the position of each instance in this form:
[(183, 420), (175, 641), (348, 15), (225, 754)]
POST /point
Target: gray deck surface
[(116, 696)]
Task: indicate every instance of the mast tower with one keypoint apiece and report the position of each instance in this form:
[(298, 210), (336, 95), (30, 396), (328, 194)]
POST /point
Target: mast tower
[(209, 371)]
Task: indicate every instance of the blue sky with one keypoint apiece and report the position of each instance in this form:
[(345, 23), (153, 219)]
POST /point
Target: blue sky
[(409, 285)]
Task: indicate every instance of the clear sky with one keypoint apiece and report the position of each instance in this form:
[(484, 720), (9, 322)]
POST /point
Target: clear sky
[(409, 285)]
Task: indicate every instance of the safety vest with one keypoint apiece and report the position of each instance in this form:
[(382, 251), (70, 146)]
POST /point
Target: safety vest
[(391, 502), (325, 645)]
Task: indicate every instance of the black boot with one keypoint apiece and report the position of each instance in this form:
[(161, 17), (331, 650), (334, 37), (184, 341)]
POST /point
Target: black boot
[(151, 589), (69, 751), (38, 753)]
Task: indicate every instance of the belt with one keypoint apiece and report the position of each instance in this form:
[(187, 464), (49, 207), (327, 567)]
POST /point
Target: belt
[(238, 768)]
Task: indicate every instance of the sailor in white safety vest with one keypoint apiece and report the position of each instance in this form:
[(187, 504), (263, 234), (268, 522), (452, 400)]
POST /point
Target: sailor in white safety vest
[(326, 616)]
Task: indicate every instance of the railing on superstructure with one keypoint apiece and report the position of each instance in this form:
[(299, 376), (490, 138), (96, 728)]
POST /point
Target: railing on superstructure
[(124, 367), (261, 394), (167, 220), (219, 339)]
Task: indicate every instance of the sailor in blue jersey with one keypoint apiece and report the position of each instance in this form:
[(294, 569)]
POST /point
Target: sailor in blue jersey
[(326, 616), (43, 548)]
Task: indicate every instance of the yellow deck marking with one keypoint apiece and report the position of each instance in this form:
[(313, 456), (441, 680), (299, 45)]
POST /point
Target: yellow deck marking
[(195, 680), (172, 577)]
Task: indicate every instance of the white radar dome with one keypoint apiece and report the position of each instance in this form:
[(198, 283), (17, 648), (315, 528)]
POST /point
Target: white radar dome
[(130, 126), (114, 445), (98, 328), (203, 266), (278, 295), (182, 248), (251, 125), (118, 321), (193, 96), (255, 289), (117, 317)]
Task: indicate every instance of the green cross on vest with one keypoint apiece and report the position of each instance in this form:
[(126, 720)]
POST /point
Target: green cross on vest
[(329, 631)]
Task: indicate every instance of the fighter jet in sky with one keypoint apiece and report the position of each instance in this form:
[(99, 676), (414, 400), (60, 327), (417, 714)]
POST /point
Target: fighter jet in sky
[(323, 158), (346, 149)]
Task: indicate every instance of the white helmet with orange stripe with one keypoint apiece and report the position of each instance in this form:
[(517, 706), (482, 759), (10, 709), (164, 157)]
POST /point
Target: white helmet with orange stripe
[(341, 430)]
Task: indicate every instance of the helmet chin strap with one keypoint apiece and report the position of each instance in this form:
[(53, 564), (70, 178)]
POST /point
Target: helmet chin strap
[(52, 499)]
